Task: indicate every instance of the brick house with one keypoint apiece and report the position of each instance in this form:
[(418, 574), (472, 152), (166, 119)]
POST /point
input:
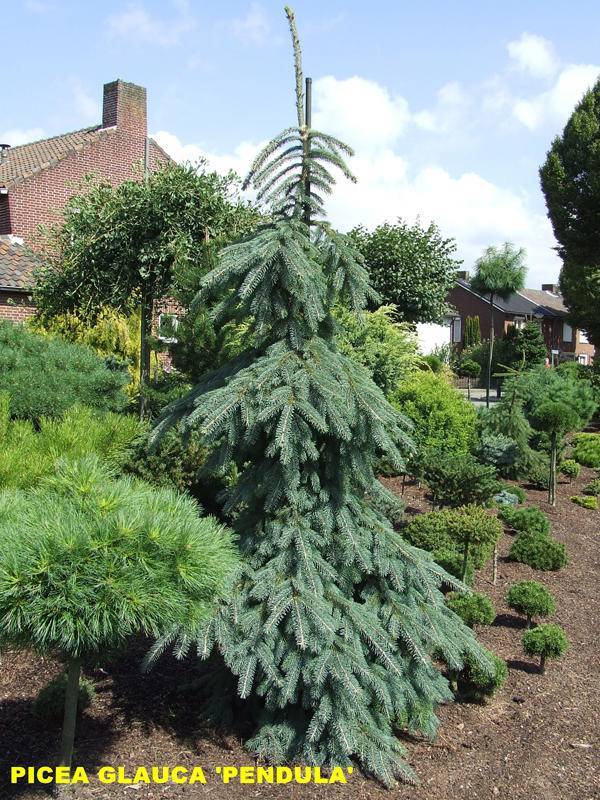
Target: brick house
[(37, 179), (544, 306)]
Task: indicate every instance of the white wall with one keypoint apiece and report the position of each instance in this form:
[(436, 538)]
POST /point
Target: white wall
[(430, 336)]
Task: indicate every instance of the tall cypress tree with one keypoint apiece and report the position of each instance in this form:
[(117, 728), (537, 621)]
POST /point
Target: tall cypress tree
[(333, 618)]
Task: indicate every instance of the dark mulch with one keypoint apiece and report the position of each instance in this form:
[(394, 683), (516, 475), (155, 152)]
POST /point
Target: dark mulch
[(537, 739)]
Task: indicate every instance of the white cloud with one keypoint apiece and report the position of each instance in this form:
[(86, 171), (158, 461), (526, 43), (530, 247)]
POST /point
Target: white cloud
[(88, 108), (556, 104), (533, 54), (449, 111), (254, 27), (17, 136), (136, 24), (239, 160), (360, 111), (35, 7)]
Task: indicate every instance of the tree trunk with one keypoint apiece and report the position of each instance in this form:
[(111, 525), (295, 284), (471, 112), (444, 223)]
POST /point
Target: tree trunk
[(552, 480), (306, 150), (488, 382), (529, 620), (468, 388), (495, 565), (542, 664), (70, 715), (465, 560), (145, 333)]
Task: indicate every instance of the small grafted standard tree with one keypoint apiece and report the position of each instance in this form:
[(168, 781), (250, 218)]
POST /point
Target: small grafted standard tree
[(333, 617)]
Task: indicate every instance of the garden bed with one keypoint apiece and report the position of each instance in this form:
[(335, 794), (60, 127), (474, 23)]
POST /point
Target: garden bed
[(537, 739)]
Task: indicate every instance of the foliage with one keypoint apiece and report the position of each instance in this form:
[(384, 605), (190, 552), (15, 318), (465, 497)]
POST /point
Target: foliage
[(479, 685), (592, 488), (542, 385), (87, 560), (586, 449), (473, 609), (331, 622), (112, 335), (433, 362), (585, 502), (448, 530), (538, 551), (531, 599), (523, 348), (505, 498), (442, 417), (569, 178), (452, 562), (458, 481), (410, 266), (50, 700), (496, 450), (387, 349), (124, 247), (526, 520), (569, 468), (162, 390), (28, 454), (472, 333), (44, 377), (546, 641), (468, 368), (521, 494)]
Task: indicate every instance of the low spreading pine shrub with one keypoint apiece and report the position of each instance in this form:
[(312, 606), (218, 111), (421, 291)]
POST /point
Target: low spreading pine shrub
[(525, 520), (538, 551), (585, 502), (456, 481), (586, 449), (592, 488)]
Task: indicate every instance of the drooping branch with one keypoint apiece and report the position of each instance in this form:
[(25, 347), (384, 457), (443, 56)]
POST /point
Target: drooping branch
[(297, 65)]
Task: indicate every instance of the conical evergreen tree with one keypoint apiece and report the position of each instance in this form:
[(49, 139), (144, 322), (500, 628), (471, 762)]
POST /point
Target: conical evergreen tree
[(333, 618)]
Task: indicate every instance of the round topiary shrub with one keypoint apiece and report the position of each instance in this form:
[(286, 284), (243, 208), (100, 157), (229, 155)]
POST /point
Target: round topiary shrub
[(531, 599), (478, 684), (569, 468), (538, 551), (525, 520), (473, 609), (545, 641), (50, 701)]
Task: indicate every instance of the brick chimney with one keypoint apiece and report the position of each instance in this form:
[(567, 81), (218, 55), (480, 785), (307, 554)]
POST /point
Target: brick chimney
[(124, 106), (463, 275), (553, 288)]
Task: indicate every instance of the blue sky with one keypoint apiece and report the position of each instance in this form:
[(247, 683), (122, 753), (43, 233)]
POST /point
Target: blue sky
[(450, 106)]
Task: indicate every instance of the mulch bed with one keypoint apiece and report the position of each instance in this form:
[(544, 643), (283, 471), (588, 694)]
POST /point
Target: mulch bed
[(537, 740)]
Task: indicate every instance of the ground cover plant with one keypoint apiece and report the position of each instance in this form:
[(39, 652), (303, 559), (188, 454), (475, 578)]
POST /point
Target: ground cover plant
[(592, 488), (545, 641), (87, 560), (586, 449), (46, 376), (531, 599), (585, 501), (312, 629)]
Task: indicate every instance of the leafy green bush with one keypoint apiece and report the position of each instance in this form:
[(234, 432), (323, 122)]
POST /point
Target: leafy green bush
[(478, 684), (455, 531), (44, 377), (531, 599), (161, 391), (458, 481), (50, 701), (525, 520), (443, 418), (585, 502), (387, 348), (569, 468), (592, 488), (27, 454), (545, 641), (538, 551), (586, 449), (473, 609)]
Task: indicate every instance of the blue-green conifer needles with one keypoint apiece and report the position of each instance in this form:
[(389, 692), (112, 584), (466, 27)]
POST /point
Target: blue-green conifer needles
[(333, 618)]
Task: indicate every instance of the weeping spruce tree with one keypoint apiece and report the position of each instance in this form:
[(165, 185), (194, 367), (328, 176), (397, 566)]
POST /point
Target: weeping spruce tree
[(333, 618)]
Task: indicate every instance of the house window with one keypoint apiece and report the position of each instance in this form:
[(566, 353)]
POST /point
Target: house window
[(167, 328), (519, 323), (582, 358), (457, 330), (567, 332), (582, 338)]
